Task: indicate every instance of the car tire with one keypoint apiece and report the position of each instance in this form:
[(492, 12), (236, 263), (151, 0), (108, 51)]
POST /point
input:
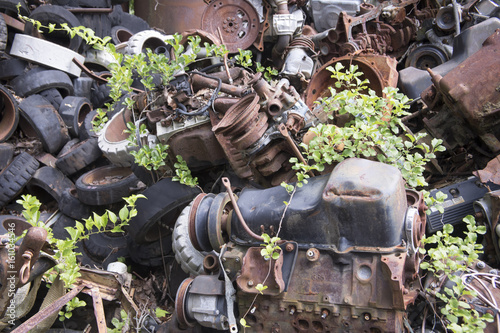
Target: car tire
[(78, 157), (4, 34), (15, 176), (9, 114), (6, 154), (58, 15), (51, 184), (94, 187), (10, 68), (73, 111), (40, 119), (152, 254), (120, 34), (9, 7), (164, 202), (53, 96), (37, 80)]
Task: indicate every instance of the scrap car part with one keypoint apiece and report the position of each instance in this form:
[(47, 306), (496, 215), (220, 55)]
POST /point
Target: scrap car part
[(325, 13), (478, 107), (299, 66), (307, 285), (378, 69), (237, 22), (413, 81), (459, 202)]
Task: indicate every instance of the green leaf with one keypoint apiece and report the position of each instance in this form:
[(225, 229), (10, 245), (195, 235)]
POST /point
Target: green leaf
[(159, 312)]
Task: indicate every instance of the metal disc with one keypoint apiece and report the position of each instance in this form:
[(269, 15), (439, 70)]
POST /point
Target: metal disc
[(238, 22)]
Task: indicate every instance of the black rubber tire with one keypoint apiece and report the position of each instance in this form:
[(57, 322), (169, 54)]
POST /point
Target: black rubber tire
[(41, 120), (99, 23), (6, 154), (35, 81), (62, 222), (67, 147), (51, 184), (120, 34), (73, 111), (82, 86), (10, 68), (85, 131), (131, 22), (150, 255), (165, 201), (101, 249), (9, 7), (4, 34), (9, 114), (78, 157), (82, 3), (53, 96), (57, 15), (91, 192), (15, 176), (100, 95), (144, 175)]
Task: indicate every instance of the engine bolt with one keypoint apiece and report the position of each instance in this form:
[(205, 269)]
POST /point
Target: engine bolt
[(292, 310), (253, 310), (312, 254), (324, 314), (480, 265), (250, 283), (289, 247), (367, 316)]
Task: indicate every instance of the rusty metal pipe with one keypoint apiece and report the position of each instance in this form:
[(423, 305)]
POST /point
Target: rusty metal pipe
[(227, 184), (222, 104), (198, 81)]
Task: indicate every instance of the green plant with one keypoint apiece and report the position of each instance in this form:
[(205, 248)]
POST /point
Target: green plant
[(269, 72), (119, 324), (183, 174), (373, 131), (244, 58), (450, 258), (70, 306)]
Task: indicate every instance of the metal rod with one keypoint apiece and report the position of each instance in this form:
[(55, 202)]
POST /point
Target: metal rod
[(227, 184)]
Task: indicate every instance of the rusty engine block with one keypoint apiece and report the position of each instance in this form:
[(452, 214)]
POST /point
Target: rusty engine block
[(348, 255)]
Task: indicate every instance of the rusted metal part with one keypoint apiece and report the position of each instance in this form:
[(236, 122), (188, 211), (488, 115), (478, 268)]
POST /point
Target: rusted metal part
[(471, 91), (284, 131), (200, 82), (379, 70), (316, 301), (49, 310), (198, 146), (227, 185), (255, 269), (259, 43), (12, 22), (192, 221), (211, 263), (98, 310), (239, 22), (180, 308), (491, 173), (28, 252), (274, 99), (222, 104), (242, 120)]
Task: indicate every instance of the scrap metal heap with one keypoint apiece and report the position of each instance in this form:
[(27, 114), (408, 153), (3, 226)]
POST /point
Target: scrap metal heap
[(349, 239)]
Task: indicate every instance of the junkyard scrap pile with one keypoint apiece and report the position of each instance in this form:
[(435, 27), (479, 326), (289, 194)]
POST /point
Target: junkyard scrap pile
[(192, 177)]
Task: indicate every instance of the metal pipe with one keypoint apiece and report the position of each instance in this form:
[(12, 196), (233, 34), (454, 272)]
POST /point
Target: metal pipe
[(227, 184), (200, 82)]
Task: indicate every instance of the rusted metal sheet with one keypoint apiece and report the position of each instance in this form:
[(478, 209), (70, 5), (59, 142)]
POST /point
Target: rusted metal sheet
[(98, 310), (491, 173)]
